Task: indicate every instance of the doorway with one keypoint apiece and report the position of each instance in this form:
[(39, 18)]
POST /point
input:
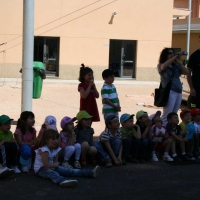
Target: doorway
[(122, 57), (46, 50)]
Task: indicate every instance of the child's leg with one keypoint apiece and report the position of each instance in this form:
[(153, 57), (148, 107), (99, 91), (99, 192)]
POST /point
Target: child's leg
[(115, 145), (189, 147), (167, 144), (68, 151), (196, 145), (92, 151), (135, 148), (53, 175), (152, 145), (84, 149), (67, 172), (100, 150), (126, 147), (77, 155), (182, 146), (77, 151), (143, 149), (13, 154), (2, 156)]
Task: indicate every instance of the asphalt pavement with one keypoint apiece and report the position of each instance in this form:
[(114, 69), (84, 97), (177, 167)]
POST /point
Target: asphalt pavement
[(156, 181)]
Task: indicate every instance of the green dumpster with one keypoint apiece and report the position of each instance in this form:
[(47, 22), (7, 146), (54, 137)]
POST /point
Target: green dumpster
[(38, 76)]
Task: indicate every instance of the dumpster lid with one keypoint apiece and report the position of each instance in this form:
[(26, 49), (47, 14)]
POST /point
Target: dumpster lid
[(38, 65)]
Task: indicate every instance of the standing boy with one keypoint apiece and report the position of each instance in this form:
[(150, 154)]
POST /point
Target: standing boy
[(110, 145), (8, 146), (109, 94), (131, 136)]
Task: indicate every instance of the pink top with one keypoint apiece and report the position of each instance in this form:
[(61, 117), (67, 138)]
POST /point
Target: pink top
[(64, 139), (28, 137)]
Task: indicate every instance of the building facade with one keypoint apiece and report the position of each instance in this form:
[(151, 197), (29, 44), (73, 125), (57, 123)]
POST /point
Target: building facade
[(126, 36), (180, 24)]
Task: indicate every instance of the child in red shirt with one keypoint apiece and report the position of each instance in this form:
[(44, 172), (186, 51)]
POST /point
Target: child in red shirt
[(88, 92)]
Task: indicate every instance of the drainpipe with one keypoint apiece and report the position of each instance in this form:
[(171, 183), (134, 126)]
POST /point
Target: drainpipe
[(27, 55), (188, 28)]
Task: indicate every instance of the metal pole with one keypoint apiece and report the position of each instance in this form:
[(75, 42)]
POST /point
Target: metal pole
[(27, 55), (188, 28)]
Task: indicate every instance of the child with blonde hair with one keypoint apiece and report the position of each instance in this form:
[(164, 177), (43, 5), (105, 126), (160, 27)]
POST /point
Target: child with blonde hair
[(47, 166)]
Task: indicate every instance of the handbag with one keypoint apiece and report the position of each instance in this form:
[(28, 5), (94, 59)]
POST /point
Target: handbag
[(161, 94)]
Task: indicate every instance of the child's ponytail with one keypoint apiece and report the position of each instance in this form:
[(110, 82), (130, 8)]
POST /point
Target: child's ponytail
[(83, 71)]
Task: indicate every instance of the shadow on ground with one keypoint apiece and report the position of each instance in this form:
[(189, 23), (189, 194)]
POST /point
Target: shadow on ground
[(133, 181)]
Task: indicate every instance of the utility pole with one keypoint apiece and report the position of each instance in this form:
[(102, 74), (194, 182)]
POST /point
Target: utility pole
[(27, 55), (188, 28)]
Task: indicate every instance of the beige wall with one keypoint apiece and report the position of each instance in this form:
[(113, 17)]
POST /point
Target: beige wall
[(179, 41), (86, 39)]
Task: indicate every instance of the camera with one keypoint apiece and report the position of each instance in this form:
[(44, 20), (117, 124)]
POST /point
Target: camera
[(183, 53)]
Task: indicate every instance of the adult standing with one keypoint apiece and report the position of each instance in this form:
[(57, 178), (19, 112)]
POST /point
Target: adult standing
[(194, 75), (170, 66)]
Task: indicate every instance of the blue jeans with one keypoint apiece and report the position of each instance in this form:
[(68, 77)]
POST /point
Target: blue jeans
[(102, 150), (58, 175)]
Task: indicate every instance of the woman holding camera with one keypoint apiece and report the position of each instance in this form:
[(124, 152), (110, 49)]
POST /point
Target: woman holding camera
[(171, 67)]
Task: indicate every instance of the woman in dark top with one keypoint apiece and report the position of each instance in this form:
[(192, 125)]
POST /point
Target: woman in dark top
[(169, 66)]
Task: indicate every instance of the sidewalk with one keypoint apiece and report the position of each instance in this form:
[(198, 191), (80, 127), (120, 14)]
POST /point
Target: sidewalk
[(61, 98)]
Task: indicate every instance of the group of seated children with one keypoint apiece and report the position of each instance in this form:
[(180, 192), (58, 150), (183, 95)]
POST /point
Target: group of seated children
[(132, 142)]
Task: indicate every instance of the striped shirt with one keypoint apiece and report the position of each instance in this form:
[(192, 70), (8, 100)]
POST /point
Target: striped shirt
[(109, 92), (107, 135)]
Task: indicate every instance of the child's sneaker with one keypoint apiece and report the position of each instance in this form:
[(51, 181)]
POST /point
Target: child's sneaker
[(192, 158), (108, 163), (77, 164), (69, 183), (16, 169), (25, 169), (96, 171), (167, 158), (66, 165), (154, 158)]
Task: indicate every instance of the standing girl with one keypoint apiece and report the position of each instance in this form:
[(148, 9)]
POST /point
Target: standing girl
[(170, 67), (68, 142), (25, 136), (84, 136), (47, 166), (88, 92)]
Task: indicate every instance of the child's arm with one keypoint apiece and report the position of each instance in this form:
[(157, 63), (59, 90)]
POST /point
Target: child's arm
[(180, 139), (110, 151), (120, 154), (84, 93), (45, 161), (138, 132), (96, 93), (71, 139), (107, 101)]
